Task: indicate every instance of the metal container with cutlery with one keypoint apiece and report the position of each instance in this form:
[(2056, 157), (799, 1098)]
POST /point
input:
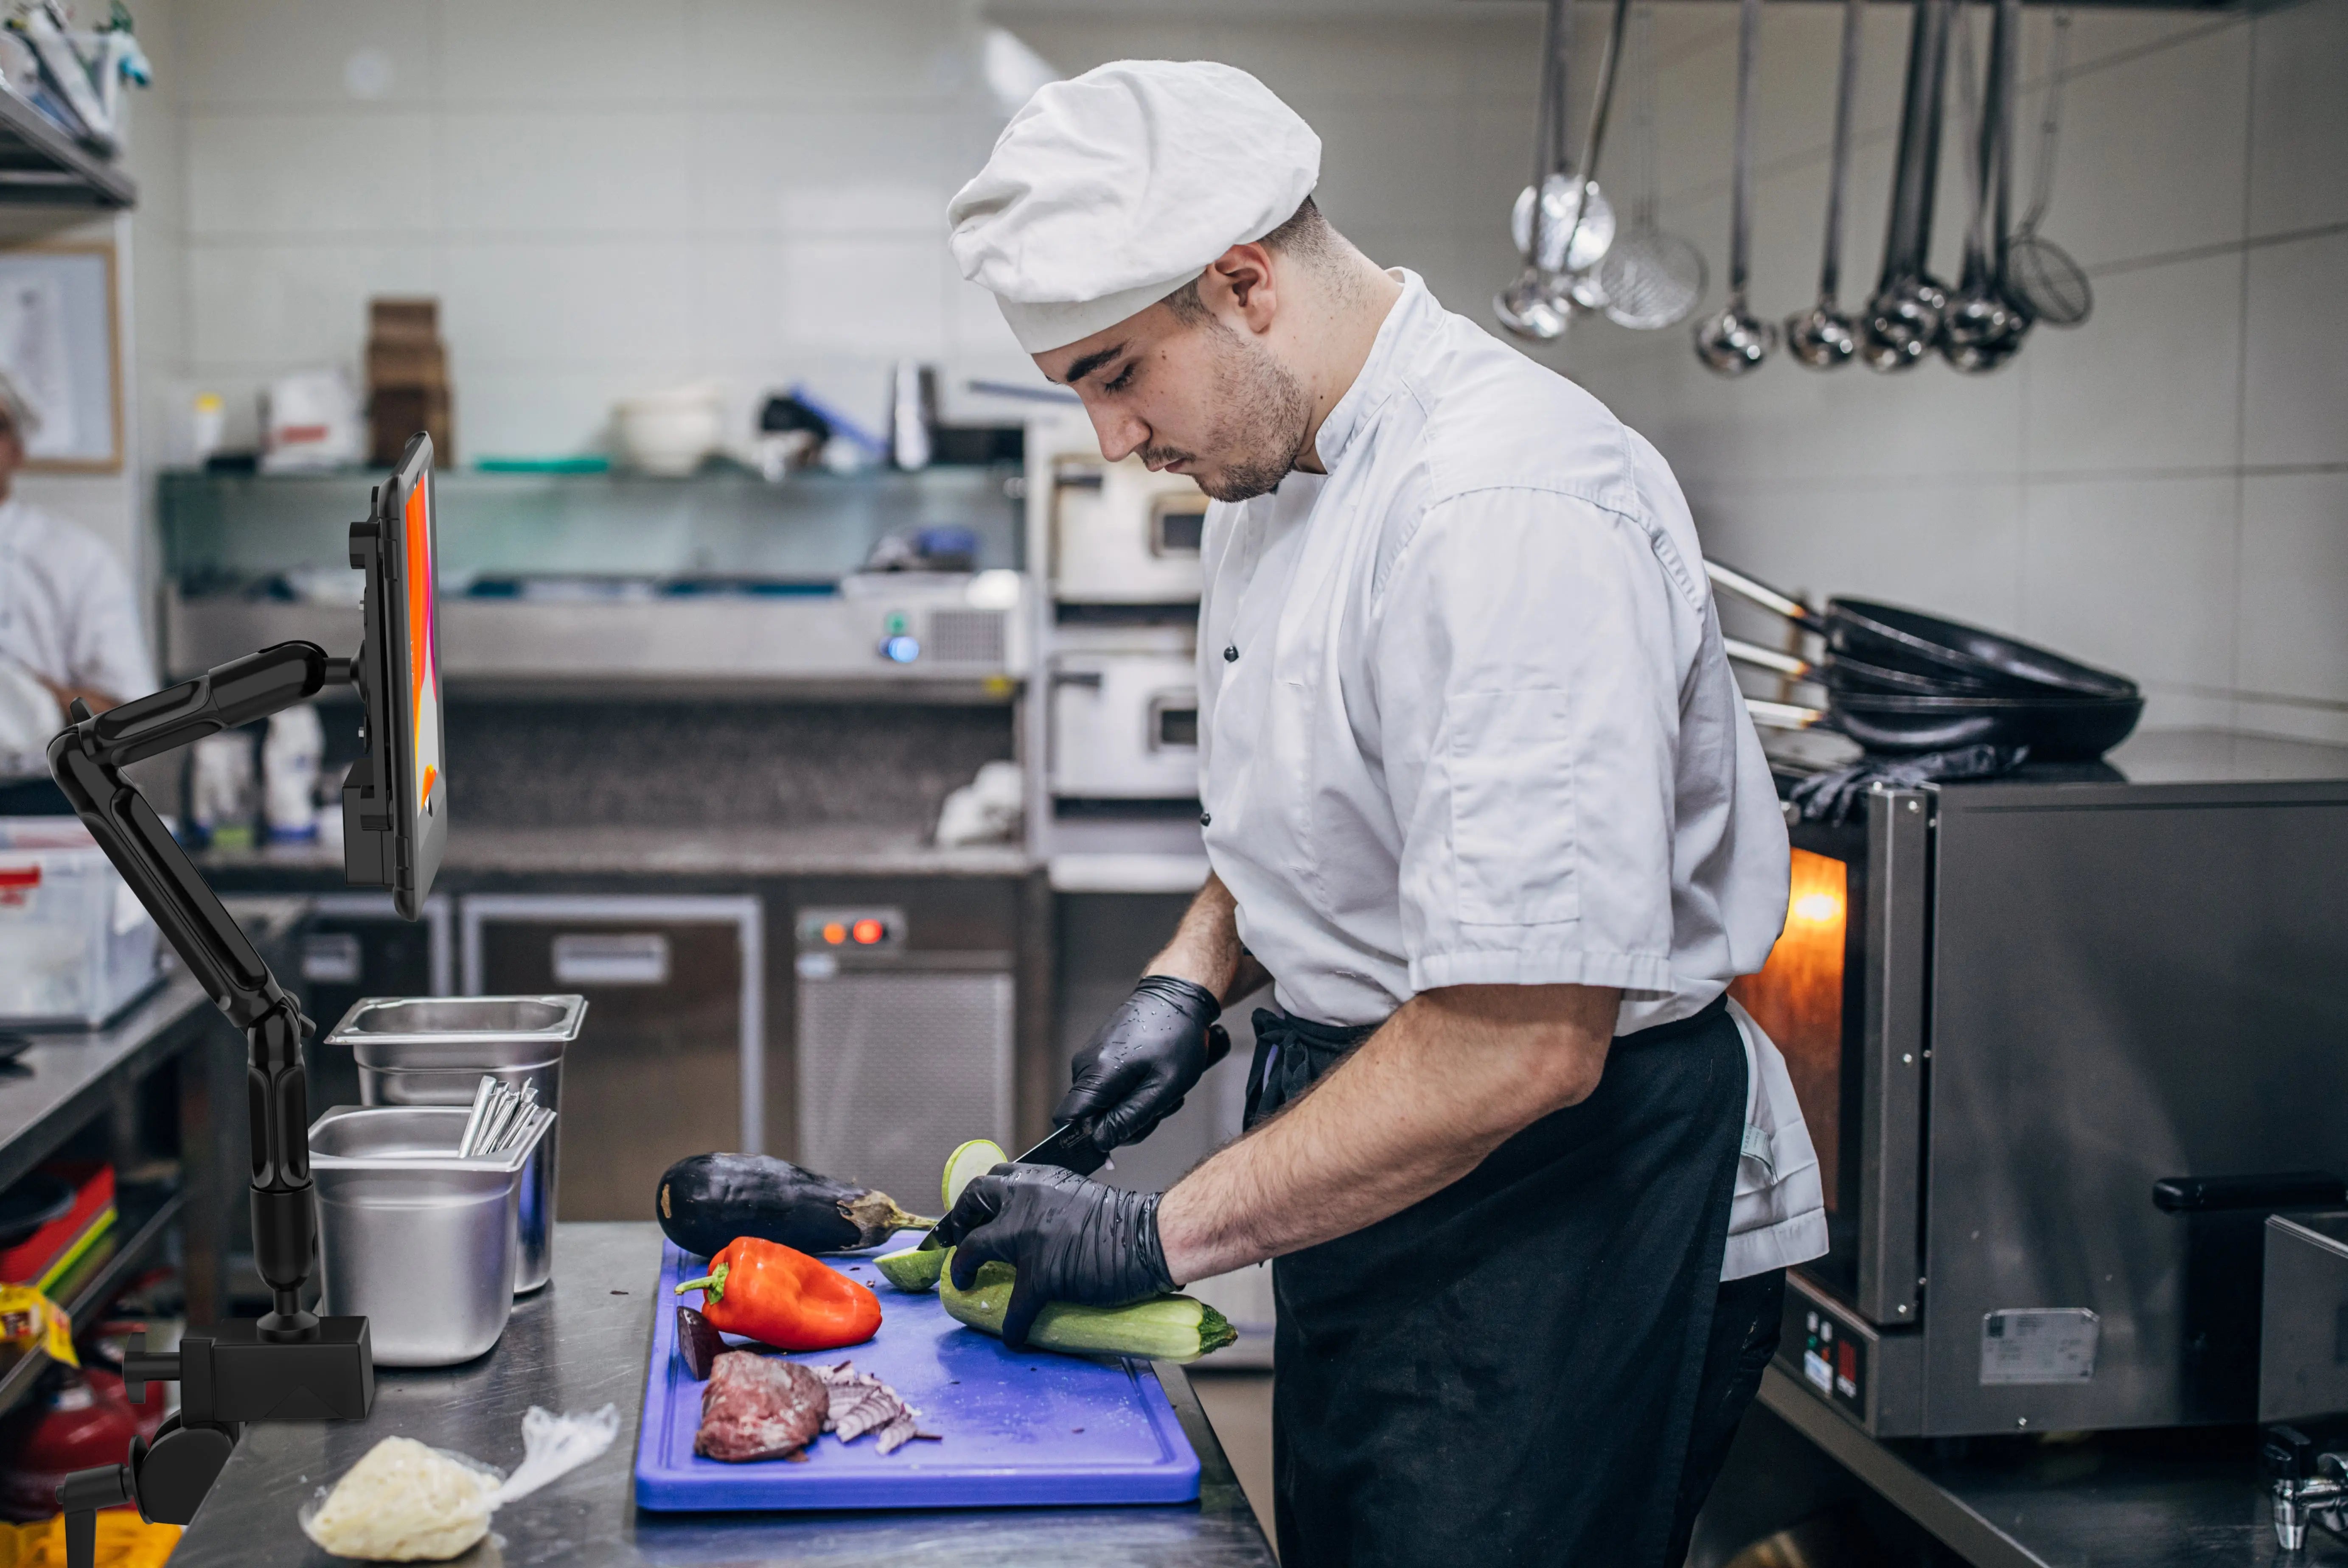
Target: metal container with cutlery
[(435, 1051), (676, 1063), (423, 1243)]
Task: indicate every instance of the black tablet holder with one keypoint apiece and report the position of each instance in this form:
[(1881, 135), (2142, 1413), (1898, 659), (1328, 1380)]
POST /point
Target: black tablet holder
[(289, 1364)]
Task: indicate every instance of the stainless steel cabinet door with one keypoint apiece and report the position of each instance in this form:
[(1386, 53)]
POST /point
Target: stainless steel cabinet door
[(669, 1063), (896, 1069)]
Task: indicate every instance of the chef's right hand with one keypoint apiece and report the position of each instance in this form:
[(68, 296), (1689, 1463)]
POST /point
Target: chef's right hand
[(1143, 1059)]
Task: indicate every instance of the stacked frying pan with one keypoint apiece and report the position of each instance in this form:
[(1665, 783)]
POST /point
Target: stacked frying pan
[(1903, 683)]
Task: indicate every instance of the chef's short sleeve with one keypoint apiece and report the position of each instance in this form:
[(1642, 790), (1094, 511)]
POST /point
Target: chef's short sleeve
[(1528, 679)]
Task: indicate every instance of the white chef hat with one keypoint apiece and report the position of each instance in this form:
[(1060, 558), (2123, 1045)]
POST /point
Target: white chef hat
[(1107, 192)]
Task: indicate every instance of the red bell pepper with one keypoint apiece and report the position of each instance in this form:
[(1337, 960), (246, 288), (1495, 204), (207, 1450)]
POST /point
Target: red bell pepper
[(764, 1291)]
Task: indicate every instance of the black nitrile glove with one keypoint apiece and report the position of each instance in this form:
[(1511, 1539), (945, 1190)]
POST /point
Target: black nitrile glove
[(1068, 1238), (1142, 1060)]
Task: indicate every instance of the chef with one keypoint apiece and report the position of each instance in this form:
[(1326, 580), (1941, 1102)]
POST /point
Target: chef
[(1484, 805), (69, 626)]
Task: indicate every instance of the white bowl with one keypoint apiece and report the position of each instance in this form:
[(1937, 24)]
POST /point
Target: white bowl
[(670, 434)]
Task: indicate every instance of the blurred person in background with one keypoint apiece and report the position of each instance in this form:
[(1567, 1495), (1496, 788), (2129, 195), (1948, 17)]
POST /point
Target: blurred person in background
[(69, 626)]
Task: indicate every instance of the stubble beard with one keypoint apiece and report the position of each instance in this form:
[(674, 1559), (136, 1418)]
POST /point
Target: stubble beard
[(1266, 418)]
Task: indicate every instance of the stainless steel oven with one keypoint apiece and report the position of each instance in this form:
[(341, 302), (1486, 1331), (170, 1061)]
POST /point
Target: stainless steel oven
[(1122, 535), (2029, 1020)]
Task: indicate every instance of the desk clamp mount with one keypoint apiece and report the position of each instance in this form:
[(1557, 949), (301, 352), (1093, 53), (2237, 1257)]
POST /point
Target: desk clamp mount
[(288, 1365)]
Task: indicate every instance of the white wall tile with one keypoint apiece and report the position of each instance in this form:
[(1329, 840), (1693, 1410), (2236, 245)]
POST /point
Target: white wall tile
[(310, 175), (2296, 366), (1408, 60), (2298, 124), (539, 413), (2294, 631), (829, 171), (496, 54), (1955, 548), (2151, 158), (261, 309), (253, 54), (2133, 575), (821, 51), (975, 327), (614, 170), (1075, 43), (566, 304), (738, 314), (870, 297), (2151, 380), (1392, 166)]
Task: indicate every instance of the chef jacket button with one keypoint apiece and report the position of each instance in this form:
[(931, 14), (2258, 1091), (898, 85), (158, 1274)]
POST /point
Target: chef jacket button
[(1231, 653), (1206, 819)]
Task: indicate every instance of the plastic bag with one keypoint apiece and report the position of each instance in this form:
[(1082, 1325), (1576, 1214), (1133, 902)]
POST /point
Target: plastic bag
[(406, 1502)]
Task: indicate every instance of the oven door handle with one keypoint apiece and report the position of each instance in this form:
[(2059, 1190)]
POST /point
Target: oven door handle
[(2273, 1190)]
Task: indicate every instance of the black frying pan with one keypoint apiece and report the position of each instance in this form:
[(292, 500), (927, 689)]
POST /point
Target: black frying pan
[(2056, 729), (1948, 653), (1910, 640), (1891, 705)]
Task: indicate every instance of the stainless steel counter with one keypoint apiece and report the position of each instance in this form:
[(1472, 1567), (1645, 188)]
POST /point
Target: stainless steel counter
[(69, 1074), (2191, 1500), (671, 852), (584, 1341)]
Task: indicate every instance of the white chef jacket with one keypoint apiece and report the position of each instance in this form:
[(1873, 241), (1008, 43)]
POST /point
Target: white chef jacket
[(66, 614), (1465, 718)]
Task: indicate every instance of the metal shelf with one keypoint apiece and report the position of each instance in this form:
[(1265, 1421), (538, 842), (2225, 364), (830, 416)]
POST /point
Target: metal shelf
[(143, 1217), (43, 165)]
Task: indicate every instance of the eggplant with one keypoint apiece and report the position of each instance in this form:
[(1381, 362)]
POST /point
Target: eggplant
[(708, 1200), (697, 1342)]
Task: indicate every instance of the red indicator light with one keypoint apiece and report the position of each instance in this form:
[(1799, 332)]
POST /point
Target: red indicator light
[(868, 932), (835, 933)]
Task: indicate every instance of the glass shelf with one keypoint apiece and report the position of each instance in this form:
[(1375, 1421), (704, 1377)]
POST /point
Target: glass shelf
[(233, 532)]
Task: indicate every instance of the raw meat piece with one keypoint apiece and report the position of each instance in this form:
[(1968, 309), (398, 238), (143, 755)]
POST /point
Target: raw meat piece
[(758, 1407)]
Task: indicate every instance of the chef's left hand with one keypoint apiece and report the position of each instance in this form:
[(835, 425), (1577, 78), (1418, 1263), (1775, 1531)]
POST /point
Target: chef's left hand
[(1068, 1238)]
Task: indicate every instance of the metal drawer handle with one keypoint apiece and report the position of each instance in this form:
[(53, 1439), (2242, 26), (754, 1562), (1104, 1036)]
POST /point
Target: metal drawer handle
[(1078, 677), (611, 959), (331, 958)]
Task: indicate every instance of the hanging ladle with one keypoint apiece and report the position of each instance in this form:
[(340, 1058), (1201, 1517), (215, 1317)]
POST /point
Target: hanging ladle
[(1652, 278), (1526, 307), (1983, 328), (1580, 279), (1822, 336), (2041, 275), (1735, 340), (1903, 319)]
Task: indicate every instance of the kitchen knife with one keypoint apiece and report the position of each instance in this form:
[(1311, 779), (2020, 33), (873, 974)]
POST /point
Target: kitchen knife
[(1070, 1145)]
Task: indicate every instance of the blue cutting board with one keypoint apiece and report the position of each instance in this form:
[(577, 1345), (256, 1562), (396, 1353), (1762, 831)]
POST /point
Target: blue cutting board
[(1020, 1428)]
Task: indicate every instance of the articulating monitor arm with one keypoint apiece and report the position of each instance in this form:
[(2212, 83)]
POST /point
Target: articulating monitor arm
[(290, 1364), (87, 760)]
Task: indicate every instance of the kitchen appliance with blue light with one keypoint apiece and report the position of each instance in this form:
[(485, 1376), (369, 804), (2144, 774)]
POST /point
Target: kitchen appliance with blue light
[(2064, 1039), (290, 1364)]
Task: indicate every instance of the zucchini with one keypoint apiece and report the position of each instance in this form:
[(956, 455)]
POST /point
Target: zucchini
[(966, 1164), (1164, 1328), (916, 1269), (709, 1200)]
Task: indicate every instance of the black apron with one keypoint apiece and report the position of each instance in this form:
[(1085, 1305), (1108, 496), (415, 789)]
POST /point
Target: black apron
[(1523, 1369)]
